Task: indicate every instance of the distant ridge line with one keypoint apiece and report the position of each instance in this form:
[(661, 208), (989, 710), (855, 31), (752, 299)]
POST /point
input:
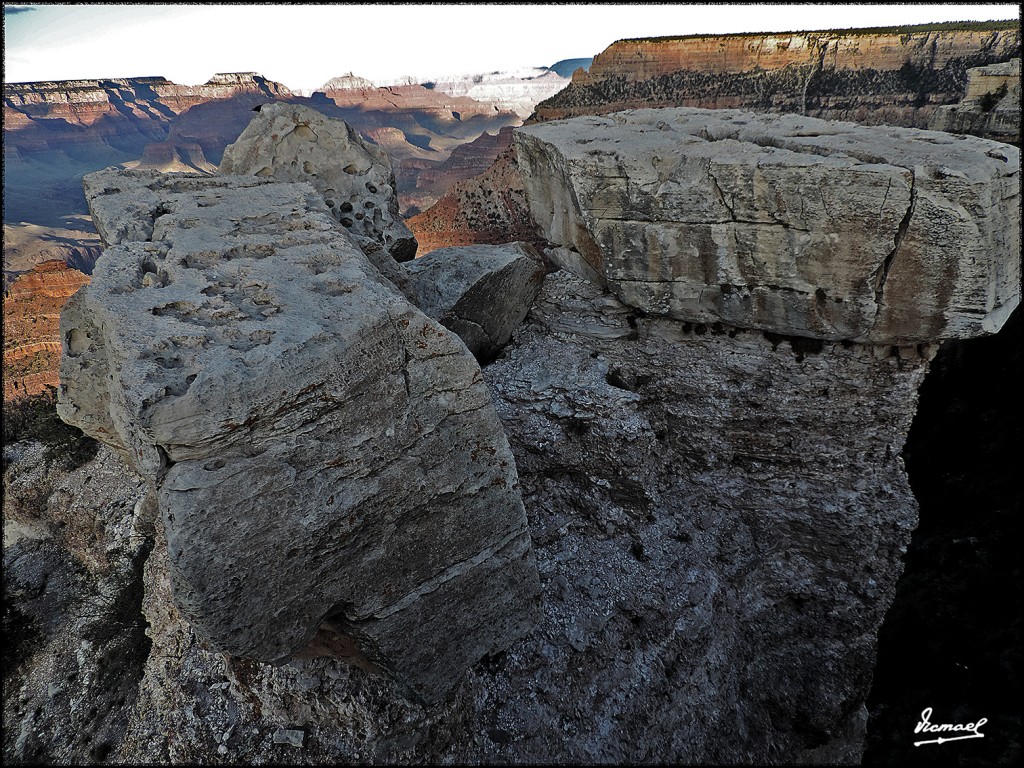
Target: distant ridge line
[(892, 30)]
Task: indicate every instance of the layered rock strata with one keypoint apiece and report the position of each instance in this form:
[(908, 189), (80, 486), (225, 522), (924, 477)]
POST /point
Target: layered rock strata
[(326, 459), (891, 76), (783, 223), (55, 132), (424, 181), (51, 115), (990, 108), (481, 292), (519, 91), (32, 307)]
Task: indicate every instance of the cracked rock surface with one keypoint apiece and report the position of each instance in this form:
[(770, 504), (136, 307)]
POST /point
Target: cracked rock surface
[(481, 292), (717, 518), (325, 457), (783, 223)]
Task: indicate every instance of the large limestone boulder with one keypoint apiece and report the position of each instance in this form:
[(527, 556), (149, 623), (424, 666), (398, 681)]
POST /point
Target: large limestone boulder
[(289, 142), (783, 223), (481, 292), (326, 458)]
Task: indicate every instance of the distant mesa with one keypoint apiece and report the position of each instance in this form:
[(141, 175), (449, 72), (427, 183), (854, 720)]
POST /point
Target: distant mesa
[(516, 91), (566, 67), (346, 82), (181, 156)]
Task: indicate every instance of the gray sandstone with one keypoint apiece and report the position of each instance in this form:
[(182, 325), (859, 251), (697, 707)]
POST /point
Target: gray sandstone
[(783, 223), (325, 457), (481, 292), (718, 518), (289, 142)]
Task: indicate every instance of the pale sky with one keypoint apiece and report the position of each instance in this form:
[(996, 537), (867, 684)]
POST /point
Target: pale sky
[(304, 46)]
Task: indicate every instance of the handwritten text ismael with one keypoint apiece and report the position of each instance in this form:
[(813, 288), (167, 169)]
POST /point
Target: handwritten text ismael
[(968, 731)]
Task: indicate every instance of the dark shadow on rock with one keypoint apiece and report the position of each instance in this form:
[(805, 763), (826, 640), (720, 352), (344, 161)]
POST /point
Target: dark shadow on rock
[(952, 639)]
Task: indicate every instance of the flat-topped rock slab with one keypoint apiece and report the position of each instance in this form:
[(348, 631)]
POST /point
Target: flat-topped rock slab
[(783, 223)]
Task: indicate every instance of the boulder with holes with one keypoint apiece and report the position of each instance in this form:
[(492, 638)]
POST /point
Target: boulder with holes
[(289, 142), (326, 457)]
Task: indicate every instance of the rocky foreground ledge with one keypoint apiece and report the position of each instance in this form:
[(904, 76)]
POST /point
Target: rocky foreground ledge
[(716, 501), (325, 457)]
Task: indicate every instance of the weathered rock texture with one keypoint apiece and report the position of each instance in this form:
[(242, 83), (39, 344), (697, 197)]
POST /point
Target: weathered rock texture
[(75, 645), (990, 108), (481, 292), (783, 223), (718, 518), (718, 512), (873, 76), (326, 459), (295, 143)]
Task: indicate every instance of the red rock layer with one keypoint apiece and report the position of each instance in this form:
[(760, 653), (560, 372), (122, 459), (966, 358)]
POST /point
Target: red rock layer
[(32, 306), (427, 181), (490, 208), (52, 115), (411, 97)]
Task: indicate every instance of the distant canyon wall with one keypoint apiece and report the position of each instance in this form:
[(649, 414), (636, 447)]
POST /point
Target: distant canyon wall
[(866, 76), (32, 306), (55, 132), (990, 108)]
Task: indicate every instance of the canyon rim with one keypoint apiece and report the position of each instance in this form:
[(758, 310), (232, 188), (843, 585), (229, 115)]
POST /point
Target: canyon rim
[(615, 470)]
